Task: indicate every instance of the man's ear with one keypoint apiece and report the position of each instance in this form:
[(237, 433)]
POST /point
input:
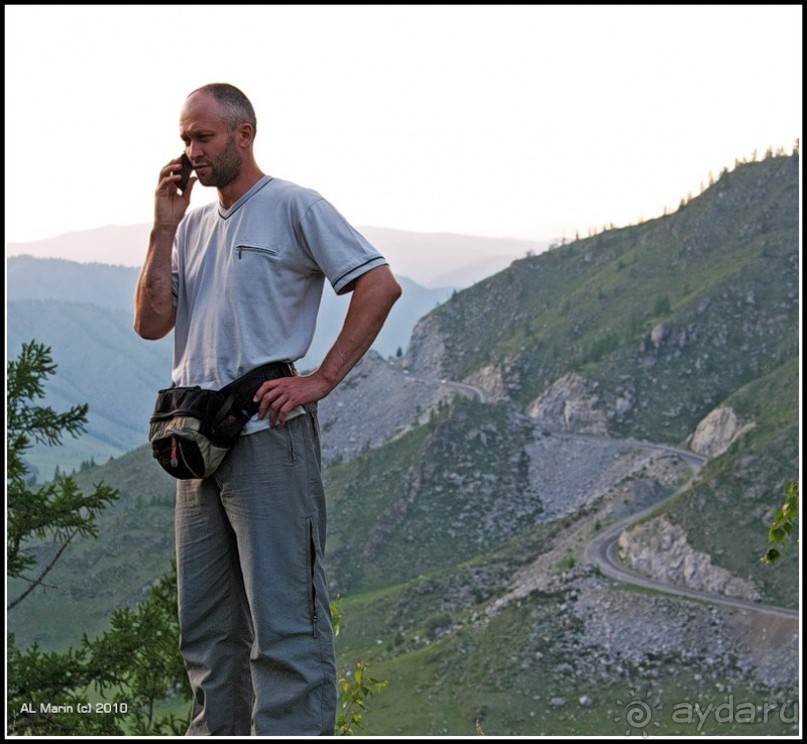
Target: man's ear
[(245, 134)]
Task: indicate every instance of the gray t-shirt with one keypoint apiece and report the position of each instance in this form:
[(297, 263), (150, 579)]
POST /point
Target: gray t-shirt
[(248, 280)]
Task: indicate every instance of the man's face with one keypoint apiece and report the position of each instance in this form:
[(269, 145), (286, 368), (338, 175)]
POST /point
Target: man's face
[(221, 168), (209, 142)]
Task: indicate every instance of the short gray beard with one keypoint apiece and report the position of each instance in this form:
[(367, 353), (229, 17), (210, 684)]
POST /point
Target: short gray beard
[(225, 169)]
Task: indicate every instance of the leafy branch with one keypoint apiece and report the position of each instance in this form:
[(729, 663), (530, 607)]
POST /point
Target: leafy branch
[(355, 688), (783, 522)]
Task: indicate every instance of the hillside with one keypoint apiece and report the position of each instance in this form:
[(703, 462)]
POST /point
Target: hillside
[(652, 369), (643, 332), (664, 319), (99, 361)]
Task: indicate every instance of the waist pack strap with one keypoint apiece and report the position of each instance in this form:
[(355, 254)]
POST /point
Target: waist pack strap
[(242, 390)]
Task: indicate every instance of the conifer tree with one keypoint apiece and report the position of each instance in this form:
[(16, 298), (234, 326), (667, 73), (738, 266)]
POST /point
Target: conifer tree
[(113, 684)]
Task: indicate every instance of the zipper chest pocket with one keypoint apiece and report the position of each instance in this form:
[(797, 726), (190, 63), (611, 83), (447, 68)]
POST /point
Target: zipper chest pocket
[(245, 249)]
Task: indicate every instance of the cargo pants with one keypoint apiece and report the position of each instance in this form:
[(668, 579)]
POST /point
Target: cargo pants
[(255, 627)]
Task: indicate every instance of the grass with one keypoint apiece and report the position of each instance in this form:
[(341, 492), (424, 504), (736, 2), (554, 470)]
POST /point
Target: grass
[(508, 676)]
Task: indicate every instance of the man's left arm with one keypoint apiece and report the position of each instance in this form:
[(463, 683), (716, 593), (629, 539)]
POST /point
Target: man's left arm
[(374, 294)]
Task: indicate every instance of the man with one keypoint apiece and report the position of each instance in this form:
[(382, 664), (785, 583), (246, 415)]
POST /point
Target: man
[(240, 283)]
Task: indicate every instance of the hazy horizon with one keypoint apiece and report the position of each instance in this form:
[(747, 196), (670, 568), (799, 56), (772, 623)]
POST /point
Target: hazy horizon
[(432, 260), (526, 122)]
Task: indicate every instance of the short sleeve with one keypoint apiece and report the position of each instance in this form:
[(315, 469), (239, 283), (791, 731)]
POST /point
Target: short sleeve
[(342, 253)]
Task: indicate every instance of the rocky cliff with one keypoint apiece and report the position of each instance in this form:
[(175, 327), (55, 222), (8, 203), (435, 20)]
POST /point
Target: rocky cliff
[(659, 549), (717, 431)]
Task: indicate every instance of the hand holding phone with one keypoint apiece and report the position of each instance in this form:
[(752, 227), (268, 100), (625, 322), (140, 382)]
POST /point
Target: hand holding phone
[(186, 168)]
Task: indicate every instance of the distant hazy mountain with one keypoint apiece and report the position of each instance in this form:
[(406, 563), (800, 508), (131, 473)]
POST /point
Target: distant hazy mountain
[(431, 260), (445, 259), (113, 287)]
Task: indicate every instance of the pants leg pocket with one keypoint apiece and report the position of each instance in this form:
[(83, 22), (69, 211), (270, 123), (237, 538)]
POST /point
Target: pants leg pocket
[(312, 585)]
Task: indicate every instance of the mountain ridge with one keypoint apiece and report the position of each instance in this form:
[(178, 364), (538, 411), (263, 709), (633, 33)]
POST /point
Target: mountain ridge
[(428, 259)]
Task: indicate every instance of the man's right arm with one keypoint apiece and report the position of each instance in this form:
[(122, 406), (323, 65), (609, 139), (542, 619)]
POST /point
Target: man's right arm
[(154, 311)]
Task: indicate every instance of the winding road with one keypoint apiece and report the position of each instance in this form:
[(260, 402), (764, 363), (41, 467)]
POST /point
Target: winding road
[(469, 390), (602, 551)]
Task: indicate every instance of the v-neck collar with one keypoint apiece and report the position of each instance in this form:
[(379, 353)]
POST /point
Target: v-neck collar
[(254, 189)]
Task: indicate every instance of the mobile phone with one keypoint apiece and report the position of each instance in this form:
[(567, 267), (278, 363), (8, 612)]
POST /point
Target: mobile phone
[(185, 173)]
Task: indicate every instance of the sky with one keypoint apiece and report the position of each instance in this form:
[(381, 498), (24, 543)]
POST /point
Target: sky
[(535, 122)]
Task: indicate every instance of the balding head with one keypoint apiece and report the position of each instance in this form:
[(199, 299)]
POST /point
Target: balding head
[(234, 107)]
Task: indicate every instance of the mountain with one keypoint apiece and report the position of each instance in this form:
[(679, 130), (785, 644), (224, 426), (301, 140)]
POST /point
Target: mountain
[(447, 259), (636, 390), (432, 260), (115, 245), (662, 321), (100, 361), (84, 313)]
